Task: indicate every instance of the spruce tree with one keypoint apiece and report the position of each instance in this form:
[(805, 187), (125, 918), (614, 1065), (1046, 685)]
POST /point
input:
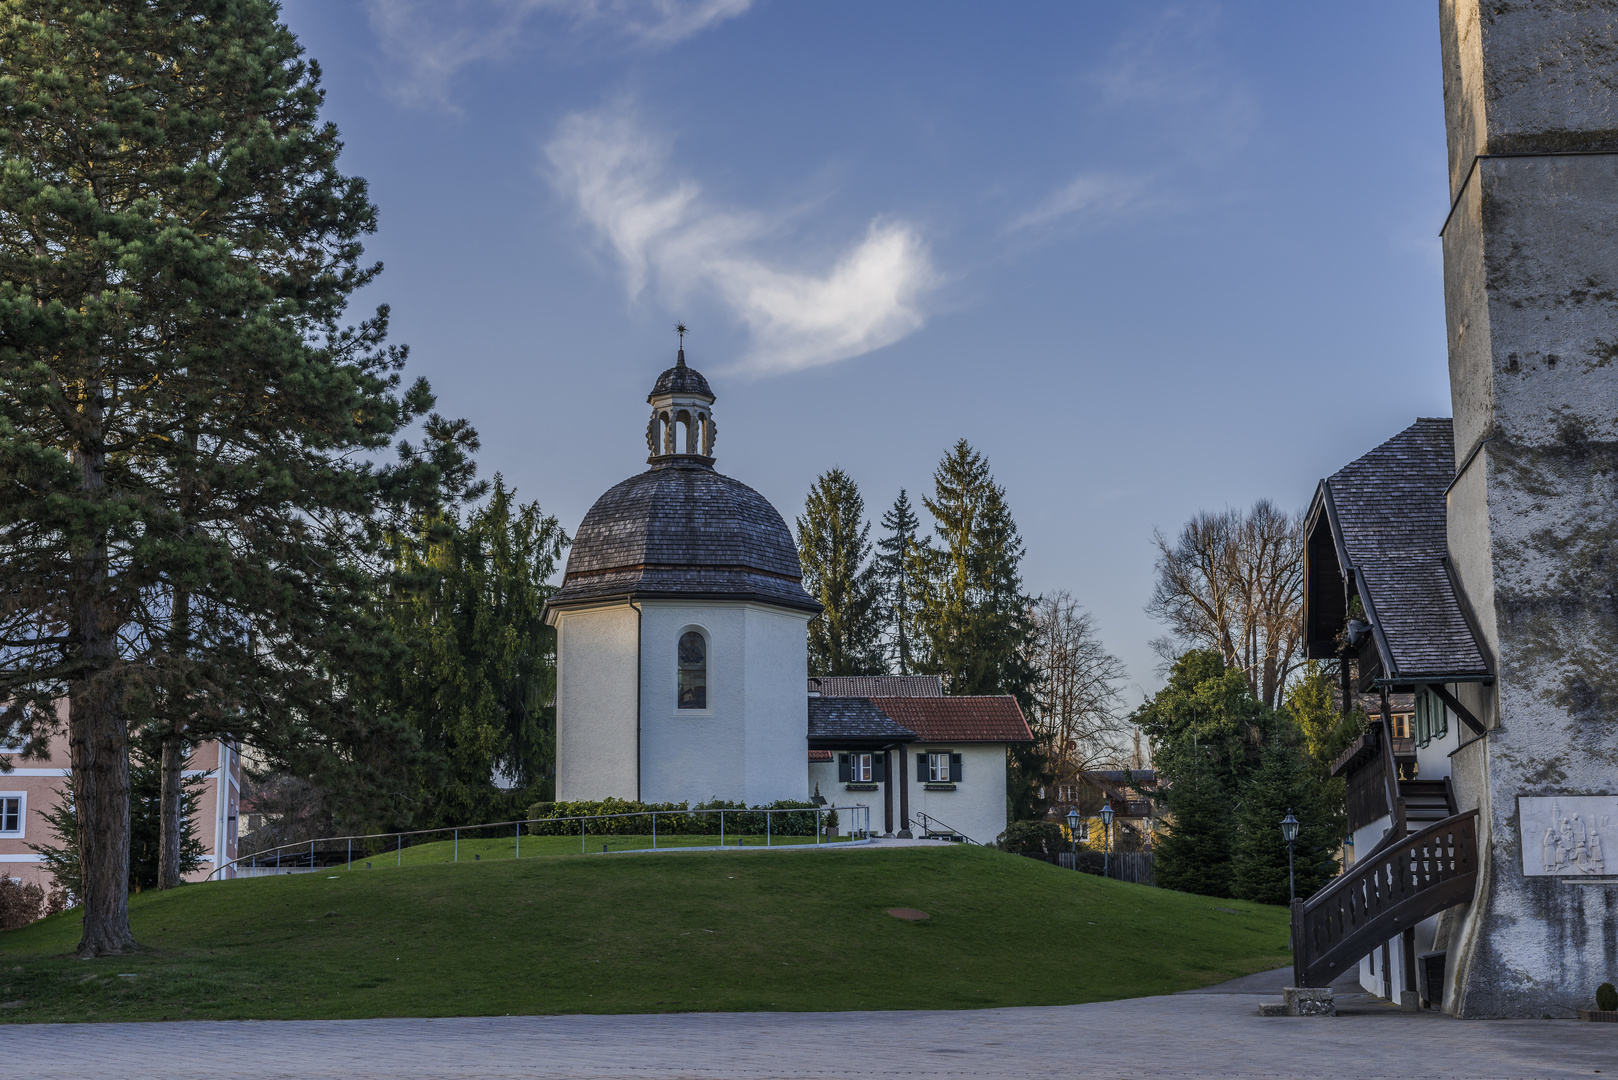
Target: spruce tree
[(188, 526), (894, 552), (834, 546), (1285, 782), (468, 604), (971, 611), (1194, 853), (973, 618)]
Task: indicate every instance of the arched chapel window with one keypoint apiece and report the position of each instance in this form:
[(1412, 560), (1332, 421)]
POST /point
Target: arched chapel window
[(693, 671)]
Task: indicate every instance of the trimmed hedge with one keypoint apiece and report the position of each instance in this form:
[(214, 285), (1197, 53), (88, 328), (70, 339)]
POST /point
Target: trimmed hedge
[(676, 818)]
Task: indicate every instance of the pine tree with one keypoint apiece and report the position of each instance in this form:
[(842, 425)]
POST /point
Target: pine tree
[(188, 524), (1194, 854), (1285, 782), (835, 548), (894, 553)]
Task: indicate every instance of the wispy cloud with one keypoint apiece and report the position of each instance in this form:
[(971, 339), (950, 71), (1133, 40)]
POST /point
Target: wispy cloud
[(1096, 197), (669, 238), (1167, 76), (431, 41), (1173, 65)]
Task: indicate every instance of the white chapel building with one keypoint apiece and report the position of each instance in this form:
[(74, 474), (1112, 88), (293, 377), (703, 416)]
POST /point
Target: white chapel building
[(682, 661)]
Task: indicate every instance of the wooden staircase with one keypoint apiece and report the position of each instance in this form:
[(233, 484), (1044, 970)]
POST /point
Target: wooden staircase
[(1427, 861)]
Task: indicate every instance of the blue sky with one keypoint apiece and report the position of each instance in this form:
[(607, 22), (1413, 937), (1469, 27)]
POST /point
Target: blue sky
[(1148, 258)]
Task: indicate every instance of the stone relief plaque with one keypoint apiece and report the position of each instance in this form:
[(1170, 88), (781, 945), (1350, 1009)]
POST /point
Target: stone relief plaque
[(1563, 835)]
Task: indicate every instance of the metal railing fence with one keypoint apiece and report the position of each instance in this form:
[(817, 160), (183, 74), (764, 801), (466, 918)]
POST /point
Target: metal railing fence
[(777, 828)]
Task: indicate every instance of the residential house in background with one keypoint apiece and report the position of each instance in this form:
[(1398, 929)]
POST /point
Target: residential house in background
[(34, 788)]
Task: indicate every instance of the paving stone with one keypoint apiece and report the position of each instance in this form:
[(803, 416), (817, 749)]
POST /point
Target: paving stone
[(1189, 1037)]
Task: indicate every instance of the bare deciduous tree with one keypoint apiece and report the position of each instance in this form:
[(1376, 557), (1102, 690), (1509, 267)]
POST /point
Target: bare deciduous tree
[(1077, 708), (1233, 581)]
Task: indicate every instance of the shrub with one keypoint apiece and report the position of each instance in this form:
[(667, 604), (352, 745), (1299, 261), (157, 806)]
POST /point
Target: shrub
[(21, 904), (1607, 997), (549, 818), (1033, 838)]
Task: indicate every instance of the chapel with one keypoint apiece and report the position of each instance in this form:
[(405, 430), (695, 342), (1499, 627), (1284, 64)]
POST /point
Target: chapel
[(682, 662)]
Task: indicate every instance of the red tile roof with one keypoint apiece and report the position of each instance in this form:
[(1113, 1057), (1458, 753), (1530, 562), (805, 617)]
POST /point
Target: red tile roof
[(963, 719), (820, 755)]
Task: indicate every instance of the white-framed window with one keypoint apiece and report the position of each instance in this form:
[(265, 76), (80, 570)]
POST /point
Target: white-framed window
[(861, 768), (13, 812), (693, 670), (938, 767)]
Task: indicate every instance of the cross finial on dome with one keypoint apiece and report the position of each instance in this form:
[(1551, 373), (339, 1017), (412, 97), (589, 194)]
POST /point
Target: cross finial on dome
[(679, 328)]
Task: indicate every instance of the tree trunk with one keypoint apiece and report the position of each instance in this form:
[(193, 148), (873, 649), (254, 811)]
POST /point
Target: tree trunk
[(172, 819), (98, 740)]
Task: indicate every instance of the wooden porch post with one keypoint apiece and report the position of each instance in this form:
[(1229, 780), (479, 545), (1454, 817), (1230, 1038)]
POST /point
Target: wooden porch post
[(887, 793), (902, 760)]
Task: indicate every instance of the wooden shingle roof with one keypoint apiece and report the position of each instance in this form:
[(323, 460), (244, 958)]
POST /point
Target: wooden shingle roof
[(680, 530), (1377, 529)]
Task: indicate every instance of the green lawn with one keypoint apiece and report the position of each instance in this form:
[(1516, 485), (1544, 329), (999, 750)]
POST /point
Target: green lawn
[(688, 931)]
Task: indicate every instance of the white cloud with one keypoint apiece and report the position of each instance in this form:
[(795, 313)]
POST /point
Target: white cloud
[(1095, 197), (668, 237), (430, 41)]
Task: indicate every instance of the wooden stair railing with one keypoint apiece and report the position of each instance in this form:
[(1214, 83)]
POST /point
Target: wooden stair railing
[(1401, 882)]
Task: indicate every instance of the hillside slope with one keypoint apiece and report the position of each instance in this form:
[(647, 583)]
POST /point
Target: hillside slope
[(643, 933)]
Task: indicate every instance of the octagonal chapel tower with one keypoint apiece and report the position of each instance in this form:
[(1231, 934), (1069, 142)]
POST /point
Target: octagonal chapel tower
[(682, 629)]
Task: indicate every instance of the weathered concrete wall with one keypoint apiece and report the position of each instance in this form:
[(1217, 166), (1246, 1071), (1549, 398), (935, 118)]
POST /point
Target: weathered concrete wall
[(1531, 295)]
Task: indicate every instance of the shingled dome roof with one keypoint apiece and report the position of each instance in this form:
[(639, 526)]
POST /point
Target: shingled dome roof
[(680, 530), (680, 379)]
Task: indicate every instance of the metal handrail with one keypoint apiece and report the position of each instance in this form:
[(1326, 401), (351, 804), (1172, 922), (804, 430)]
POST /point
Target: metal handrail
[(927, 823), (857, 836)]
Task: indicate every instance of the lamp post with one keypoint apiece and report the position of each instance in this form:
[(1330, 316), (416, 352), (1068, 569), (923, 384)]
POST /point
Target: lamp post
[(1289, 833), (1073, 833), (1106, 823)]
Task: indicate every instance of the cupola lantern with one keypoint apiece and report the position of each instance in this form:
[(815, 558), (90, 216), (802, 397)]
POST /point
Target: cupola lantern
[(682, 425)]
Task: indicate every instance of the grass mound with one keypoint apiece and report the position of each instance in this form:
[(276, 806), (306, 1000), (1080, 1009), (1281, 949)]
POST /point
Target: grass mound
[(699, 931)]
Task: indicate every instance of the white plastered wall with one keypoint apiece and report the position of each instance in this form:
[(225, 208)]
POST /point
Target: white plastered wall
[(977, 806), (595, 703), (749, 744)]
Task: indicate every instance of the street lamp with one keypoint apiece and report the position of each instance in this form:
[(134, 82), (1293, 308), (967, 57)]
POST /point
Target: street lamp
[(1289, 833), (1106, 823), (1073, 833)]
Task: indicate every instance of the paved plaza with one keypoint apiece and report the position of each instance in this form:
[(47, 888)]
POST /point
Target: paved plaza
[(1194, 1035)]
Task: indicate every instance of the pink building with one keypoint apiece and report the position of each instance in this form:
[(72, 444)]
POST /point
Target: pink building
[(32, 789)]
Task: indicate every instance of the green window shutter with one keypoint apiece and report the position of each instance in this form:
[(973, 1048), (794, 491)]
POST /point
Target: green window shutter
[(955, 768), (843, 770), (921, 768), (879, 768)]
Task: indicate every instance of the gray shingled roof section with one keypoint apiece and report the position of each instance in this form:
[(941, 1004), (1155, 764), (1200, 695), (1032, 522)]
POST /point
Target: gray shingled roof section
[(680, 379), (832, 718), (873, 686), (682, 530), (1390, 507)]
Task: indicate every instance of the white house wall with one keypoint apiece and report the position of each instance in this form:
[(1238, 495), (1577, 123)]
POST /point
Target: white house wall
[(976, 808), (749, 743), (595, 703)]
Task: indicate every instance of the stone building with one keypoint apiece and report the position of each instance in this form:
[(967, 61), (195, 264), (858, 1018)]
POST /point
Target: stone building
[(1504, 610)]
